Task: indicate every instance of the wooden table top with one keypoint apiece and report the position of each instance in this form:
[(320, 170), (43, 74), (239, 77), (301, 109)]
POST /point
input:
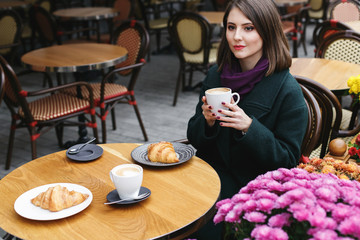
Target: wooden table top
[(182, 198), (332, 74), (87, 13), (355, 25), (12, 4), (284, 3), (74, 57), (213, 17)]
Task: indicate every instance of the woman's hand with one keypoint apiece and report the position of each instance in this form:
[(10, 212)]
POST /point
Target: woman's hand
[(235, 117), (209, 116)]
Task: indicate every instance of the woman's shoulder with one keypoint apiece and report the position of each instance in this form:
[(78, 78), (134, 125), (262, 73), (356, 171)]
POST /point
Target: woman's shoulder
[(212, 77), (285, 78), (213, 70)]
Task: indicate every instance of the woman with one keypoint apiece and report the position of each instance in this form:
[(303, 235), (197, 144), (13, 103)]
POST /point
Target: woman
[(265, 130)]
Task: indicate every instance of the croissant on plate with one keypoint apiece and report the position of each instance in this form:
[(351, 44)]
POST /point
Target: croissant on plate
[(163, 152), (58, 198)]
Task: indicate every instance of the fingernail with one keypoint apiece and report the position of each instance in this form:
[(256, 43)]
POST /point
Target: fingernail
[(217, 117), (219, 110), (213, 114), (223, 103), (221, 124), (210, 107)]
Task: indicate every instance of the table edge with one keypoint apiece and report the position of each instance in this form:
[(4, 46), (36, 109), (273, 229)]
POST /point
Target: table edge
[(80, 68), (89, 18)]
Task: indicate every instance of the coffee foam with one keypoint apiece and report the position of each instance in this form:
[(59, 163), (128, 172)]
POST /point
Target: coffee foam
[(127, 172)]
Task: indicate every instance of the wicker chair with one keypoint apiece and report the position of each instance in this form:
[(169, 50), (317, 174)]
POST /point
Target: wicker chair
[(344, 10), (313, 132), (343, 46), (325, 29), (134, 37), (154, 20), (332, 114), (191, 35), (317, 11), (50, 109), (11, 28)]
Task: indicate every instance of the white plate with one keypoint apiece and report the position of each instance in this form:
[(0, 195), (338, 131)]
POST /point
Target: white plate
[(26, 209)]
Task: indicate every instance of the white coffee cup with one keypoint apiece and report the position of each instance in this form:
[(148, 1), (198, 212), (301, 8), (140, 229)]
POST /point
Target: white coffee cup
[(127, 179), (216, 96)]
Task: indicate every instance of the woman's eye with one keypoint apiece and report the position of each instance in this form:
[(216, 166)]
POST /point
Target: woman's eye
[(231, 27), (249, 28)]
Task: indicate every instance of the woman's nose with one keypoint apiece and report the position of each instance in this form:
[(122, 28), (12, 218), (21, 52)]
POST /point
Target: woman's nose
[(237, 35)]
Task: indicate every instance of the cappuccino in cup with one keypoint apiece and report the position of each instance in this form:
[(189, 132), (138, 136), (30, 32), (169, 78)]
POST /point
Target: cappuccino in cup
[(215, 96), (127, 171), (127, 179)]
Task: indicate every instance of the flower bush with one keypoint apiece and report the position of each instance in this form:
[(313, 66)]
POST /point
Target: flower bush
[(354, 149), (293, 204)]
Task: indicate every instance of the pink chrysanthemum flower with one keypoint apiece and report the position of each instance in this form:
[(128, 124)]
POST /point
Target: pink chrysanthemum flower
[(324, 234), (265, 205), (240, 197), (351, 226), (280, 220), (256, 217), (267, 233), (327, 193)]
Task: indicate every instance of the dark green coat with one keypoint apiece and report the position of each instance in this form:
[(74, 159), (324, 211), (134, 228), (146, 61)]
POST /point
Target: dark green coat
[(279, 113)]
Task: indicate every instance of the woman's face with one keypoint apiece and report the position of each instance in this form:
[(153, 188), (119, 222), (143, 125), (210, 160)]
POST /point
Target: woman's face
[(243, 39)]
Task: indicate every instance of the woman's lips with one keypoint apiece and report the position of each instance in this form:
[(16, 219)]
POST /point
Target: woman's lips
[(238, 47)]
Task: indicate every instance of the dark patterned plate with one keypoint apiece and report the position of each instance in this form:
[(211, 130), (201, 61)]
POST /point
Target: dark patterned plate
[(88, 153), (183, 151)]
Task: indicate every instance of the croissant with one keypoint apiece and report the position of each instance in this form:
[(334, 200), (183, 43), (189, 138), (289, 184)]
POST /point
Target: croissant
[(58, 198), (163, 152)]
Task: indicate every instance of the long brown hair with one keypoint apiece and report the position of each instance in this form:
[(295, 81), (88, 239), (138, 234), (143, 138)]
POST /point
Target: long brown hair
[(266, 19)]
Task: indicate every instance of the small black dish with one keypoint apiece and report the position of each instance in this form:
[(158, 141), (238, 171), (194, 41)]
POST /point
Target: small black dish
[(114, 196), (89, 153)]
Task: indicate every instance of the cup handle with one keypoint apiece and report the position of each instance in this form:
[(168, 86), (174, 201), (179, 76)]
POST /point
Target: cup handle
[(238, 97)]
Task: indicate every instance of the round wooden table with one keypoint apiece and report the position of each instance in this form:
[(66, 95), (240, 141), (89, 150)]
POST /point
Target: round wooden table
[(182, 198), (332, 74), (74, 57), (354, 25)]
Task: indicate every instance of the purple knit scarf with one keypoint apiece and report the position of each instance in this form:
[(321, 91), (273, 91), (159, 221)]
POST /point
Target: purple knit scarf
[(243, 82)]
